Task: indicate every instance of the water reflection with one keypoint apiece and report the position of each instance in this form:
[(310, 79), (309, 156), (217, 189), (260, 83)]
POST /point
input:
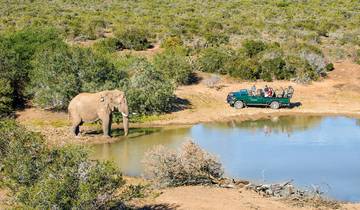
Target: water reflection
[(308, 149), (127, 154), (282, 124)]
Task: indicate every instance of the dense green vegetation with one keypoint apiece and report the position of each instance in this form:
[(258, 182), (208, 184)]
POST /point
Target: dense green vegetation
[(40, 59), (210, 22), (37, 64), (60, 178)]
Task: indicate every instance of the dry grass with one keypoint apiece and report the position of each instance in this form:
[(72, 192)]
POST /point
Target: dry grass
[(190, 166)]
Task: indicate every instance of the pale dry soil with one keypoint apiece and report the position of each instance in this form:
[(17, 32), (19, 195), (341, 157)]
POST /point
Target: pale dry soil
[(338, 94), (203, 197)]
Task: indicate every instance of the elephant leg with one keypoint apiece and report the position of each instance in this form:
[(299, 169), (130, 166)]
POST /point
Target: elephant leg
[(76, 126), (76, 130), (109, 126), (106, 123)]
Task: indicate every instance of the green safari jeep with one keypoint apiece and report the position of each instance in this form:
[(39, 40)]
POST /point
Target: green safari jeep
[(242, 98)]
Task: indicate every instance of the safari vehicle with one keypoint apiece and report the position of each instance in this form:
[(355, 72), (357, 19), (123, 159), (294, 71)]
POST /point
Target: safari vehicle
[(245, 98)]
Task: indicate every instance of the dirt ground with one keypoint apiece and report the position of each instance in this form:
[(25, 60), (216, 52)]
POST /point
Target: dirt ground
[(338, 94), (202, 197)]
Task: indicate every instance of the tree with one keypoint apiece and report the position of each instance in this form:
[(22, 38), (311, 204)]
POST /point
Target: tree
[(62, 72), (16, 51), (147, 90), (175, 65)]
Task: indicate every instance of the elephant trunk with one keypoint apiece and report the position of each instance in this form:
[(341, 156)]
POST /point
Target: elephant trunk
[(125, 115)]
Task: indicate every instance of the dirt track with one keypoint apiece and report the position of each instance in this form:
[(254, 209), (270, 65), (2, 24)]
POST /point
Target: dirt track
[(339, 94), (200, 197)]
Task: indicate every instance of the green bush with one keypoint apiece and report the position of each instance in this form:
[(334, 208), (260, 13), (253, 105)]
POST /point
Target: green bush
[(304, 72), (62, 72), (175, 65), (95, 73), (244, 68), (95, 29), (147, 91), (315, 59), (172, 41), (252, 47), (215, 39), (72, 181), (357, 56), (23, 156), (16, 52), (134, 38), (54, 78), (213, 60), (6, 97), (330, 67), (108, 45), (275, 68), (60, 178)]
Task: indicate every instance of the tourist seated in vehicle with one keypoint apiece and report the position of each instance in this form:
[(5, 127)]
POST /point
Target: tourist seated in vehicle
[(279, 93), (268, 91), (260, 92), (252, 91)]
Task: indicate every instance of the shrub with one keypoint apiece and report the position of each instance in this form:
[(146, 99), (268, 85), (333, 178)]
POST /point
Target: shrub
[(133, 38), (147, 91), (251, 47), (172, 41), (95, 29), (304, 72), (6, 97), (54, 78), (357, 56), (275, 68), (316, 61), (175, 65), (330, 67), (72, 181), (213, 60), (16, 51), (212, 81), (190, 166), (62, 72), (244, 68), (95, 72), (57, 178), (108, 45), (215, 39), (23, 156)]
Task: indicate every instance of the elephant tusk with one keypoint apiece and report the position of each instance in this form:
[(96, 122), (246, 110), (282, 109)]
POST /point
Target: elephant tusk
[(124, 115)]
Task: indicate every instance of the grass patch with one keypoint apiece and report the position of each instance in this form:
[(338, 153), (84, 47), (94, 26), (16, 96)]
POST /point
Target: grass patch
[(148, 118), (53, 123)]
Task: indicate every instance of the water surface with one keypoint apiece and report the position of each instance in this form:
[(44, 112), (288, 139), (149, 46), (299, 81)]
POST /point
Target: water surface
[(311, 150)]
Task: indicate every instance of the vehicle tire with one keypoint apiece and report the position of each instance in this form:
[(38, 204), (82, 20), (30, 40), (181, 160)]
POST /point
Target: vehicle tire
[(239, 105), (275, 105)]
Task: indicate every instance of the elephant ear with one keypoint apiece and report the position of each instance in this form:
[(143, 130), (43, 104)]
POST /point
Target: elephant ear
[(107, 99)]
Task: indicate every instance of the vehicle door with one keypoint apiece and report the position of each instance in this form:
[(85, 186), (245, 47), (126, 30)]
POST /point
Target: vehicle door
[(254, 100)]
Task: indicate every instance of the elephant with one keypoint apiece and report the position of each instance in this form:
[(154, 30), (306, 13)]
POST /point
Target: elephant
[(90, 107)]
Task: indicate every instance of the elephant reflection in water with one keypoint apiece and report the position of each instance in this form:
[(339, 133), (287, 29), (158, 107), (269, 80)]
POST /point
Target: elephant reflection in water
[(90, 107)]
